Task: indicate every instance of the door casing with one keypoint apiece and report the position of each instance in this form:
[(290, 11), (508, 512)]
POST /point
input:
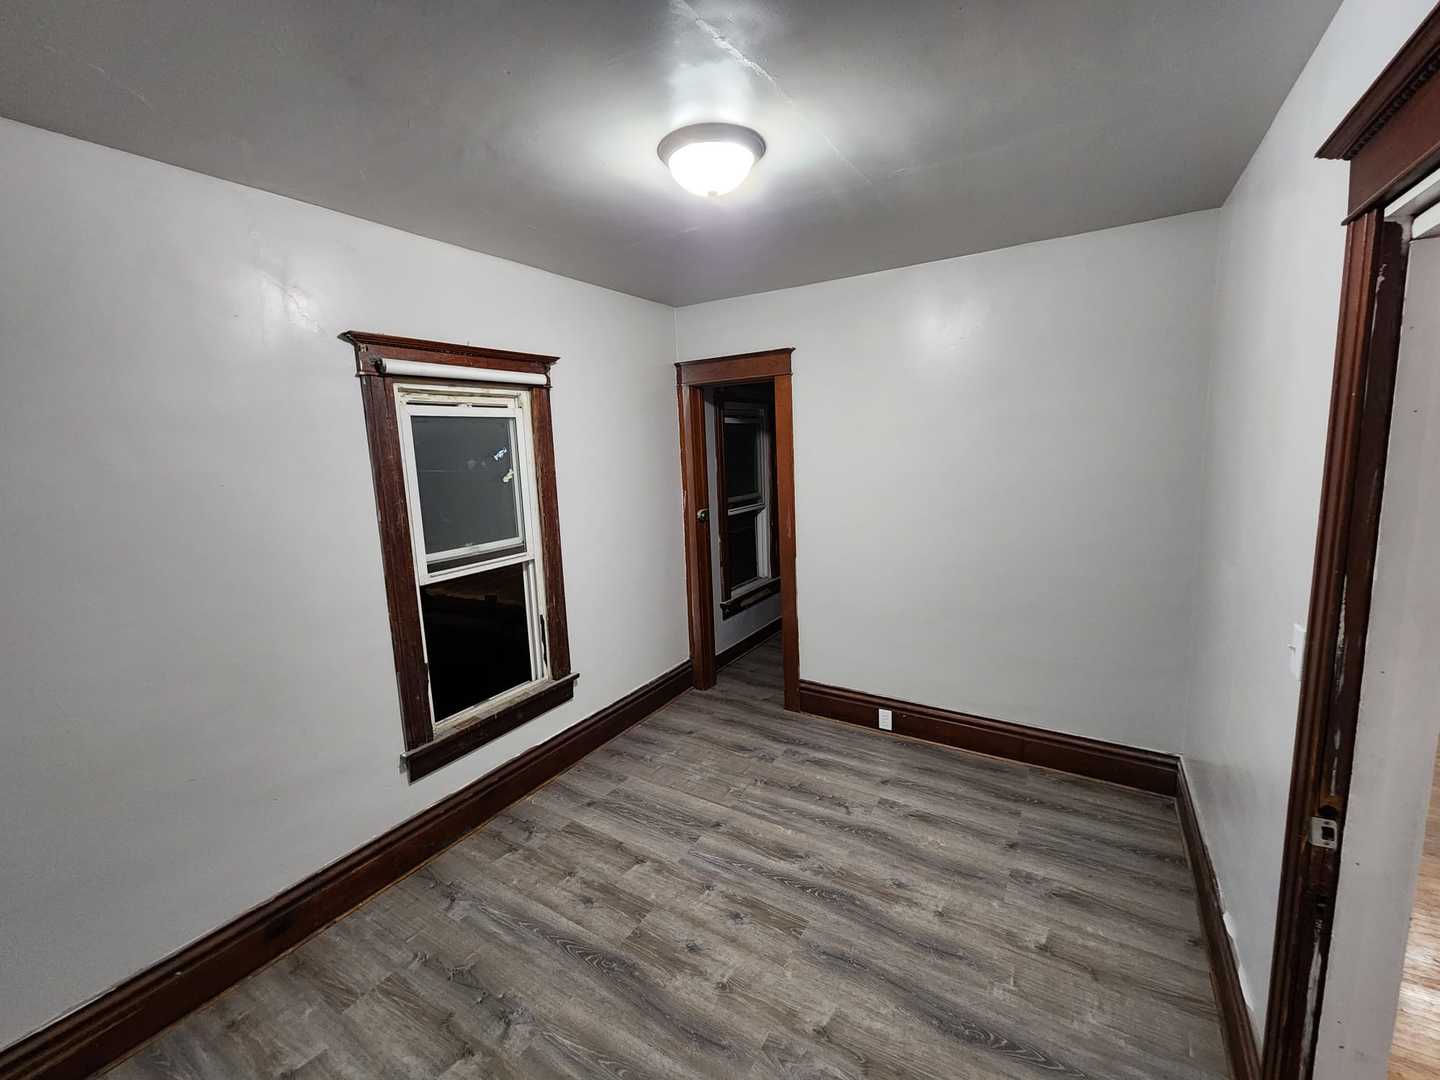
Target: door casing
[(691, 378), (1391, 138)]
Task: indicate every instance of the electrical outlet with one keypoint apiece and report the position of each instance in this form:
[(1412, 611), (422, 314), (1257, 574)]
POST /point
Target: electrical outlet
[(887, 722)]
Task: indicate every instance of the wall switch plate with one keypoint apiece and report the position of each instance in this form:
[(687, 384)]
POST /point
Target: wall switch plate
[(887, 722), (1297, 649)]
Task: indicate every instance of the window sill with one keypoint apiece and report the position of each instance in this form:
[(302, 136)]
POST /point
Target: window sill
[(473, 734), (749, 598)]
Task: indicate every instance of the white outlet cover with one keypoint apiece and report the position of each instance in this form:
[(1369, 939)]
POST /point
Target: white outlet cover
[(1297, 649), (887, 722)]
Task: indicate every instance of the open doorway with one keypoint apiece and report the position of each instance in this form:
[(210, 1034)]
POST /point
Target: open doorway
[(737, 474), (744, 518)]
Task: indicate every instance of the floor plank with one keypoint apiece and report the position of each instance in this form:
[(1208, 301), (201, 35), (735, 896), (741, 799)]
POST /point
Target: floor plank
[(731, 891), (1415, 1048)]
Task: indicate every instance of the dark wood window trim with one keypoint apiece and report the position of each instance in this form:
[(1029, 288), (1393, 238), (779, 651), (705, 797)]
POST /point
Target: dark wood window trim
[(424, 753)]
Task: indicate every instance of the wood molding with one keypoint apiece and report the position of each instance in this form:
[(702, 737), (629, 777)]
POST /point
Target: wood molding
[(106, 1029), (1366, 356), (557, 623), (1145, 770), (785, 499), (369, 347), (733, 652), (1235, 1024), (473, 734), (742, 367), (1392, 135), (695, 497), (402, 600)]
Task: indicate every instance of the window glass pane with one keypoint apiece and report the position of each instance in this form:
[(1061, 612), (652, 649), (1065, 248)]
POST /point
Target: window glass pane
[(742, 463), (742, 560), (469, 485), (477, 637)]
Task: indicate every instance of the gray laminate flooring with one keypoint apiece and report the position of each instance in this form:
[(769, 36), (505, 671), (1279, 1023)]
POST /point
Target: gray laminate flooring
[(730, 891)]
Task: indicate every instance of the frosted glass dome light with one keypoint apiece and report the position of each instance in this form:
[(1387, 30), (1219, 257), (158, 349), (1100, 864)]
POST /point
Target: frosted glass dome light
[(711, 159)]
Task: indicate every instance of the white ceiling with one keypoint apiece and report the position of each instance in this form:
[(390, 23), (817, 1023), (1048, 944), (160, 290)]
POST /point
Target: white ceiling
[(899, 131)]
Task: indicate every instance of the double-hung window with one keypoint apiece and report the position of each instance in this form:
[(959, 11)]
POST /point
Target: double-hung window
[(470, 479), (461, 452)]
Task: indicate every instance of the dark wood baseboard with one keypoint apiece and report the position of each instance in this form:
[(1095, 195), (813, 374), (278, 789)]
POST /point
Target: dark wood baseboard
[(1142, 769), (745, 644), (1240, 1041), (109, 1027)]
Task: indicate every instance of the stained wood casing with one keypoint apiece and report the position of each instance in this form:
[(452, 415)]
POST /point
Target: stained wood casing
[(1391, 137), (690, 376), (1240, 1043), (424, 752)]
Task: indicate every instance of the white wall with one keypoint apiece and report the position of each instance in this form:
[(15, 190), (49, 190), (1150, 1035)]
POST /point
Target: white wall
[(1278, 291), (1399, 711), (742, 623), (199, 702), (997, 460)]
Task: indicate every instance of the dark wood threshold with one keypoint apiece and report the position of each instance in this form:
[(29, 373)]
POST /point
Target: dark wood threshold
[(749, 598), (745, 644), (109, 1027), (1240, 1041), (1146, 770), (438, 752)]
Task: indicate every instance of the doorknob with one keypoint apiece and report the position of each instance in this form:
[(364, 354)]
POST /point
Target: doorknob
[(703, 514)]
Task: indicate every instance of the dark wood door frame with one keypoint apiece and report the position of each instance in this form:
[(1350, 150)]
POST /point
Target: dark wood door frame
[(691, 378), (1391, 140)]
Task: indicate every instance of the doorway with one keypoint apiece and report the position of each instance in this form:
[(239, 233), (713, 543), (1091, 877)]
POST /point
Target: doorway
[(737, 470), (1391, 140), (1381, 897)]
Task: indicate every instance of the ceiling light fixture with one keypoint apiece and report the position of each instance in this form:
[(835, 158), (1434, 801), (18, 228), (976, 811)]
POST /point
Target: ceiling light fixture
[(711, 159)]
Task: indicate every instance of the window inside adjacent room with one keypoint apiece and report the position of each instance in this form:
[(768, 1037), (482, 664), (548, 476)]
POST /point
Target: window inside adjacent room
[(747, 483)]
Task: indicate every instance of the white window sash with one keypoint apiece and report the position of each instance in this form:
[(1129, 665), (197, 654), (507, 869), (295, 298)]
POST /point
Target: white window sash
[(514, 547), (430, 400)]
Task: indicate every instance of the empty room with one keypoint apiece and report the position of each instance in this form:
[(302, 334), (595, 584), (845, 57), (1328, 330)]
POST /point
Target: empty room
[(728, 539)]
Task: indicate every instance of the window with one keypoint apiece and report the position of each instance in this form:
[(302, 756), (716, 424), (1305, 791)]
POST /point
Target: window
[(745, 490), (460, 448)]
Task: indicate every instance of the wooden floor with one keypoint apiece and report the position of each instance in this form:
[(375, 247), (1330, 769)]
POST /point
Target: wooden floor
[(1415, 1050), (730, 891)]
